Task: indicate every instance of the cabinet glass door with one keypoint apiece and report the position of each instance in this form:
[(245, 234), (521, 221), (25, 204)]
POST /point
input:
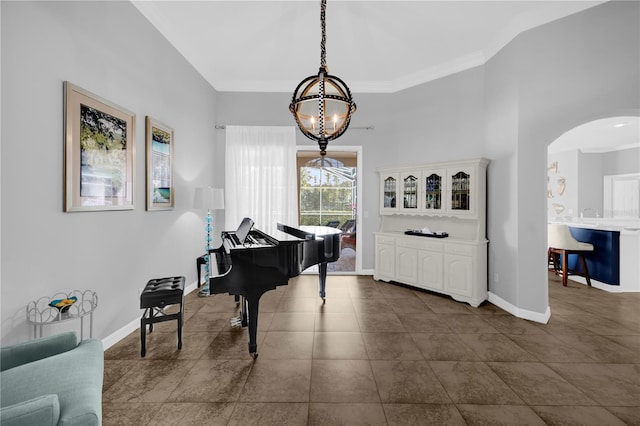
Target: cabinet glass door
[(410, 192), (433, 192), (460, 190), (389, 193)]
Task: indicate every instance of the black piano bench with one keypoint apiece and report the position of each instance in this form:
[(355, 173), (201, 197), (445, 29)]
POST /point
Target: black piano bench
[(156, 296)]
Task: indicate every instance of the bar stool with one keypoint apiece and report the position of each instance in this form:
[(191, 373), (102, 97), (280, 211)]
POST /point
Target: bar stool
[(561, 244), (156, 296)]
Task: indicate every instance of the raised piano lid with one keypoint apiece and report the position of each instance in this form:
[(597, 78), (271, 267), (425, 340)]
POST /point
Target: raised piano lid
[(307, 232), (320, 231)]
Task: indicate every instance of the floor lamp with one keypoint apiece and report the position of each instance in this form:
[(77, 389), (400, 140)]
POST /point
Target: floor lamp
[(211, 199)]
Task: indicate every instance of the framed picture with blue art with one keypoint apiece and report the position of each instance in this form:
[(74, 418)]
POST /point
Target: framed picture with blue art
[(160, 191), (99, 152)]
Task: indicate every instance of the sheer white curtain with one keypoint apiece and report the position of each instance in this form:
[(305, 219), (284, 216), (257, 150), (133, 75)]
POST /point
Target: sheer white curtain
[(260, 176)]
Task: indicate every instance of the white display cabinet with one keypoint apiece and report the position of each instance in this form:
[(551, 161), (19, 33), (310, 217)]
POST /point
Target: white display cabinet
[(441, 197)]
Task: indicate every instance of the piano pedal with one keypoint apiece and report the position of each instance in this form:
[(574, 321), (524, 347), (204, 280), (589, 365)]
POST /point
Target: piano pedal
[(236, 322)]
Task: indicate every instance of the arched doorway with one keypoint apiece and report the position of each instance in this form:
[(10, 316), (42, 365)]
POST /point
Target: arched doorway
[(593, 186)]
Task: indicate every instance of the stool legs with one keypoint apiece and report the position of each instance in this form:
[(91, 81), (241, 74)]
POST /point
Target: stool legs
[(143, 338), (554, 254), (149, 317), (554, 260), (180, 318), (584, 268)]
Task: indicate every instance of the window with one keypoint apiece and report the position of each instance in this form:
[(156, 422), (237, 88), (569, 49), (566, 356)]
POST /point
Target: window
[(327, 188)]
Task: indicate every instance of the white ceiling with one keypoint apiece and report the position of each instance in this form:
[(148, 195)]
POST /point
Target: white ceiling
[(374, 46)]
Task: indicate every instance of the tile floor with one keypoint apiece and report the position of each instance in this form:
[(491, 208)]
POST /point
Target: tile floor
[(382, 354)]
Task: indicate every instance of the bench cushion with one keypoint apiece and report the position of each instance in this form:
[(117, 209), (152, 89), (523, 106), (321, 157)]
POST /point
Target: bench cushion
[(161, 292)]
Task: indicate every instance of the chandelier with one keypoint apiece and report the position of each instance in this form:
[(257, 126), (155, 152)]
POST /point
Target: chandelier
[(322, 104)]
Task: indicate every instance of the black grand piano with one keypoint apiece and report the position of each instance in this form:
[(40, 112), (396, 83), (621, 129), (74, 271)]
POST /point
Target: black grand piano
[(251, 262)]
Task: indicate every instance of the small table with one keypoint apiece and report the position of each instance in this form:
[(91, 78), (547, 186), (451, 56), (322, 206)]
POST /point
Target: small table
[(41, 313)]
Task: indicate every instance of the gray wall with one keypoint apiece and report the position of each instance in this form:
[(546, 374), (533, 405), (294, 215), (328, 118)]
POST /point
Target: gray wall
[(621, 162), (593, 167), (543, 83), (110, 49), (590, 184), (440, 121)]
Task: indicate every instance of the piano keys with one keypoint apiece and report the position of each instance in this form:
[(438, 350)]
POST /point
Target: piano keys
[(261, 262)]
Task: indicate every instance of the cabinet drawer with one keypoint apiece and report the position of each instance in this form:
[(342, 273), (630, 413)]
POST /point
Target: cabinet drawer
[(420, 243), (461, 249), (383, 239)]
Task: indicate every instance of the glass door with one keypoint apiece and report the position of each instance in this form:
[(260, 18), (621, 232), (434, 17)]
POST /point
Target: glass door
[(410, 192), (390, 195), (460, 191), (327, 188), (433, 187)]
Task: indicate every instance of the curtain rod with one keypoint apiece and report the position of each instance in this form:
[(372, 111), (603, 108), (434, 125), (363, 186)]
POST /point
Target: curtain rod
[(223, 126)]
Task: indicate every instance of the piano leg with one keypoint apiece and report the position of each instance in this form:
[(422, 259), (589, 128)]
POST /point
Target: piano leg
[(253, 326), (243, 312), (322, 277)]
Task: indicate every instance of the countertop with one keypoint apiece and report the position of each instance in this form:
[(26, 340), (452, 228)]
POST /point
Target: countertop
[(626, 226)]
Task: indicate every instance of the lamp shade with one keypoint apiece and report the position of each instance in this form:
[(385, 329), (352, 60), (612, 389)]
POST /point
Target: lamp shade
[(209, 198)]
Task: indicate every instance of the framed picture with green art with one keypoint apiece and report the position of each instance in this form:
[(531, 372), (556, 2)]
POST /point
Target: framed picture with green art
[(99, 153), (160, 191)]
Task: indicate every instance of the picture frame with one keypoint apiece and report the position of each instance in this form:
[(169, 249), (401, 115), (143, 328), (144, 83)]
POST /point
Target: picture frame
[(99, 153), (159, 176)]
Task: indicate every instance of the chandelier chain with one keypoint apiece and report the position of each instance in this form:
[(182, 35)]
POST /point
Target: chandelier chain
[(310, 102), (323, 42)]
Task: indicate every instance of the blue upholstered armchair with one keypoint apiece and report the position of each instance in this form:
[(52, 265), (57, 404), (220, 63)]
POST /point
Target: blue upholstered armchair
[(52, 381)]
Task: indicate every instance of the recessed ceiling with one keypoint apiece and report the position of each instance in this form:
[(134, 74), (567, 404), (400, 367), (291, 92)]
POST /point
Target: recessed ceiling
[(374, 46)]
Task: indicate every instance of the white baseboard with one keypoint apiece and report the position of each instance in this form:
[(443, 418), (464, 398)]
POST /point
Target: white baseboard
[(123, 332), (604, 286), (518, 312)]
